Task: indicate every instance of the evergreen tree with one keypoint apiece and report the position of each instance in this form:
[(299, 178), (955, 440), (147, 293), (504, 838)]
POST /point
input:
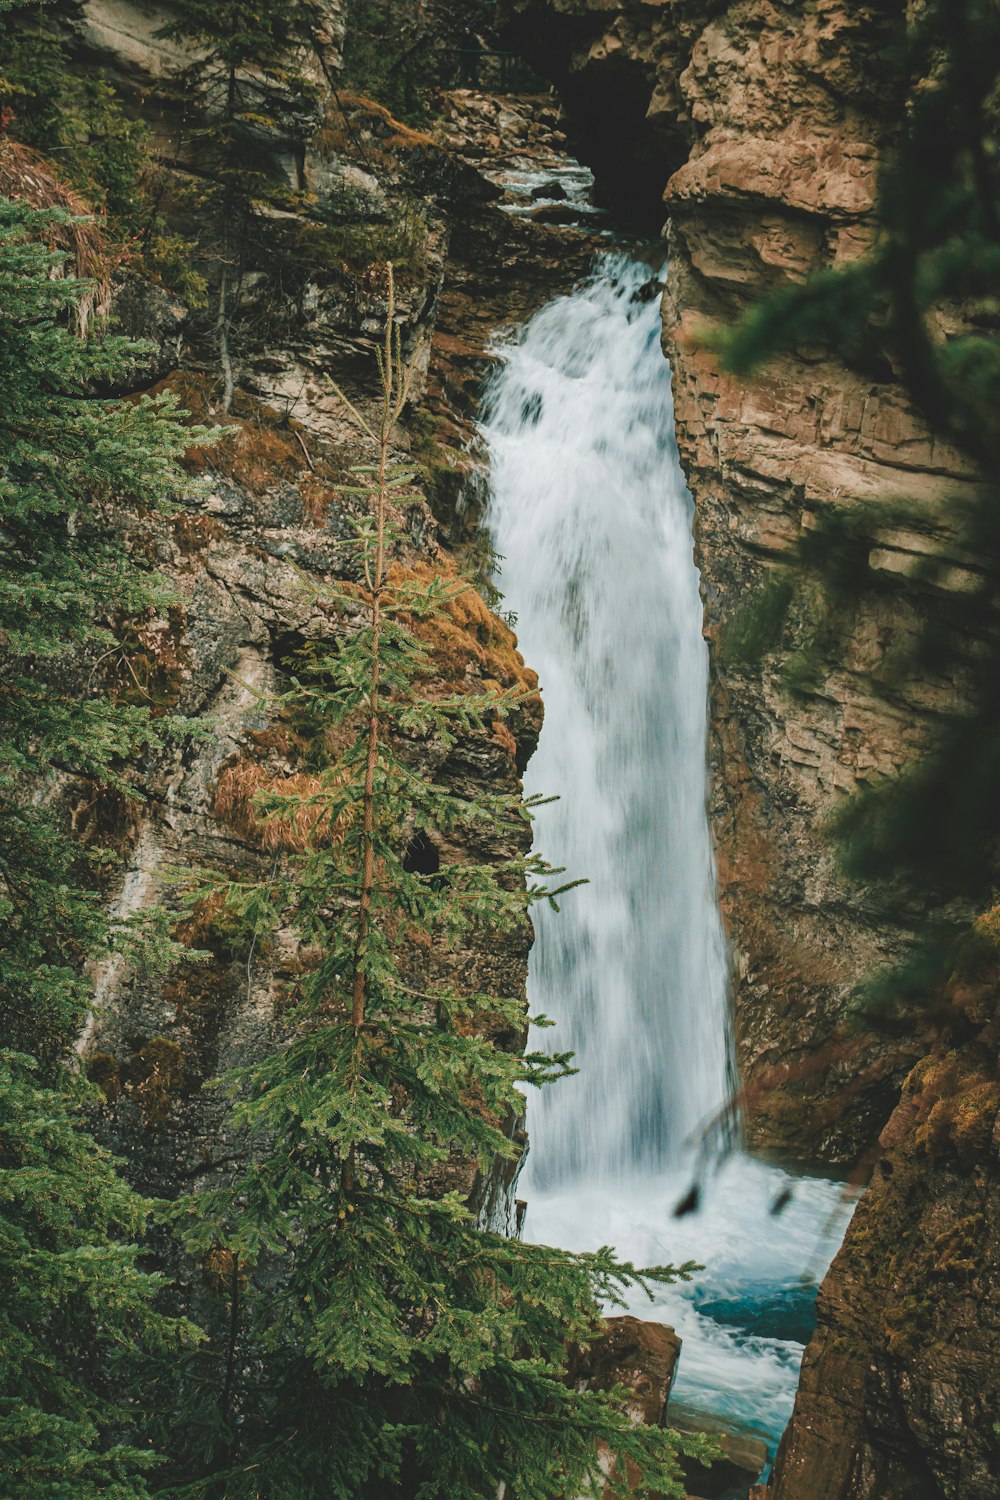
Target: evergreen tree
[(75, 117), (77, 1314), (254, 102), (933, 831), (402, 53), (379, 1342), (73, 466)]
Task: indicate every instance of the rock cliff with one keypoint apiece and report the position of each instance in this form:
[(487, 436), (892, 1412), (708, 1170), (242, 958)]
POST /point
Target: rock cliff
[(305, 314), (763, 124), (899, 1387)]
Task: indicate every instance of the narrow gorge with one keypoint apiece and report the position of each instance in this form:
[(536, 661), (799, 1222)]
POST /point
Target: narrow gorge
[(643, 614), (593, 522), (765, 127)]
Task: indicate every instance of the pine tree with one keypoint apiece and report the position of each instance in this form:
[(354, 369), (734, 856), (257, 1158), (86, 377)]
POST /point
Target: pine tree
[(379, 1342), (75, 117), (402, 54), (74, 467), (251, 96), (78, 1317)]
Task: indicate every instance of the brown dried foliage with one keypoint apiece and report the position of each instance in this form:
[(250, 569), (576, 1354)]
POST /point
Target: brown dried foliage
[(465, 637), (27, 176), (245, 781)]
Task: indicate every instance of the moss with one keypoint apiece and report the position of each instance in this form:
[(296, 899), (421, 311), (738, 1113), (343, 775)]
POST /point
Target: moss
[(907, 1324), (957, 1110), (957, 1252), (104, 1071), (281, 738), (428, 432), (107, 818), (155, 1075), (338, 136), (214, 927), (218, 1267)]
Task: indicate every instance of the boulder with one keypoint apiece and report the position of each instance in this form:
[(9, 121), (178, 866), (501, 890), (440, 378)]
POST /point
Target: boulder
[(640, 1355), (743, 1459)]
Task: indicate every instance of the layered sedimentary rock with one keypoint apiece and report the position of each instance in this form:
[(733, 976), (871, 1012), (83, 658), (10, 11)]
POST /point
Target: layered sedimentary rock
[(769, 122)]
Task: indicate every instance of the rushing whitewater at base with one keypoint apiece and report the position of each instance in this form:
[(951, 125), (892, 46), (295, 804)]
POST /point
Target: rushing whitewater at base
[(592, 520)]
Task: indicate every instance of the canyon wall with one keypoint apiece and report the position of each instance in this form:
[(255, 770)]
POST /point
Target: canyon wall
[(767, 122), (274, 508)]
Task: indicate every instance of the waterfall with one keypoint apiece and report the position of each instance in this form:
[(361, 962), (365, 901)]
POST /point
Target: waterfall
[(592, 521)]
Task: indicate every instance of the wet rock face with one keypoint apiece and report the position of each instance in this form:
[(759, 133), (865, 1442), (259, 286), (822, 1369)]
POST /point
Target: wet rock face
[(788, 122), (769, 121)]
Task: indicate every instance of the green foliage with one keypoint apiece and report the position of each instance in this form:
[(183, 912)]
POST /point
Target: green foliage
[(246, 100), (932, 831), (246, 103), (239, 36), (399, 53), (77, 120), (351, 248), (77, 1314), (73, 467), (377, 1341)]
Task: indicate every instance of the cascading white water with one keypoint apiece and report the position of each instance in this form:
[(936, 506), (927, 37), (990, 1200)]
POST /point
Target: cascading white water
[(594, 523), (592, 519)]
